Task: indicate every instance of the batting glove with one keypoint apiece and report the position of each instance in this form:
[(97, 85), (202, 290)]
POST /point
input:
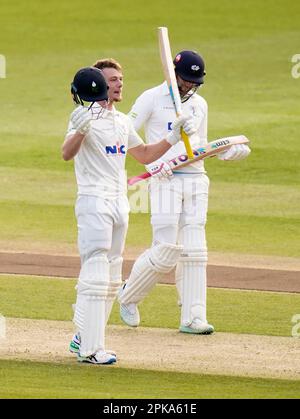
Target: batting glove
[(81, 119), (235, 152), (159, 170), (186, 123)]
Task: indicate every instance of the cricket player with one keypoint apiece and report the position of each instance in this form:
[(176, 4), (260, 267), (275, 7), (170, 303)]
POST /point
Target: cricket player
[(98, 138), (178, 201)]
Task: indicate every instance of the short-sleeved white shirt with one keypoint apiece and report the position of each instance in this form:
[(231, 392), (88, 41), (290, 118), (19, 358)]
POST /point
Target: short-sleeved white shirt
[(154, 110), (100, 161)]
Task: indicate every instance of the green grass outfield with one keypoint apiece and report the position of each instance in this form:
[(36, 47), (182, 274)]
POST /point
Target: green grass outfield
[(248, 48), (237, 311), (41, 380), (265, 313), (254, 204)]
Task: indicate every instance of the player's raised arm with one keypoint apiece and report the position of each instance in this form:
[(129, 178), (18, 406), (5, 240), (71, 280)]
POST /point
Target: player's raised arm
[(147, 153), (80, 124)]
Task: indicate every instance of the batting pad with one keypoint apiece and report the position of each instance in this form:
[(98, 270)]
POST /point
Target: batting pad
[(179, 280), (89, 317), (179, 272), (148, 269), (115, 281), (194, 261)]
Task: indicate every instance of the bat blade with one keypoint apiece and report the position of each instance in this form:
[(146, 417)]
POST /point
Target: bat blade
[(209, 150), (170, 77), (168, 68)]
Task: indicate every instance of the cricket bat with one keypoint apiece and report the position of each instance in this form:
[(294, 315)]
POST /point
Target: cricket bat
[(170, 77), (209, 150)]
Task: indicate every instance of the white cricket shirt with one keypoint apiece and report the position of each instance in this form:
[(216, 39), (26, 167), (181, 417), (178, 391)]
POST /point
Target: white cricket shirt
[(100, 161), (154, 110)]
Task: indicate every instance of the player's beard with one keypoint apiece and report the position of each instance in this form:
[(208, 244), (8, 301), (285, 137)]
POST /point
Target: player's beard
[(118, 98), (186, 91), (186, 94), (115, 99)]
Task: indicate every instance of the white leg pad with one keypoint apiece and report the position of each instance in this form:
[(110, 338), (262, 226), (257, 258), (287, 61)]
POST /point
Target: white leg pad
[(179, 280), (194, 261), (115, 281), (89, 315), (148, 269)]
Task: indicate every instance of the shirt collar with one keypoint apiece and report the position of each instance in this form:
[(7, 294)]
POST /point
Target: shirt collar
[(165, 88)]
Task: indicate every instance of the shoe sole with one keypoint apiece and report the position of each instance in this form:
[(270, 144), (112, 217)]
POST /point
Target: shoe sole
[(75, 350), (128, 324), (87, 361), (186, 329)]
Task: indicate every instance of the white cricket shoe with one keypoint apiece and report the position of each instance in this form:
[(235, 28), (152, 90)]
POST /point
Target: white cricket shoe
[(74, 346), (99, 357), (197, 327), (130, 314)]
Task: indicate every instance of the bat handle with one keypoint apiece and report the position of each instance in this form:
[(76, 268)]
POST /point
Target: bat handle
[(135, 179), (187, 144)]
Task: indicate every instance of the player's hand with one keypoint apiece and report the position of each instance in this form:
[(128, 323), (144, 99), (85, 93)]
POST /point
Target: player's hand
[(186, 123), (159, 170), (235, 152), (81, 119)]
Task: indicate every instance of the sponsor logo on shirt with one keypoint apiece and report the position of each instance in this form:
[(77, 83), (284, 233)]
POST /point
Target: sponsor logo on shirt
[(115, 149), (169, 126)]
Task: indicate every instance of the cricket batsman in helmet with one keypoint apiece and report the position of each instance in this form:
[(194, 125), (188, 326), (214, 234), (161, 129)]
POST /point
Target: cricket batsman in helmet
[(179, 200), (98, 138)]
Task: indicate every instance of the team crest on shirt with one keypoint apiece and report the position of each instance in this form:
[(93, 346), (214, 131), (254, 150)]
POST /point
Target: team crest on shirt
[(115, 149)]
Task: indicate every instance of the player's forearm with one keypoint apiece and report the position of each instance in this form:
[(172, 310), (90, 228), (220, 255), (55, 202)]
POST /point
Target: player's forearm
[(72, 145), (153, 152)]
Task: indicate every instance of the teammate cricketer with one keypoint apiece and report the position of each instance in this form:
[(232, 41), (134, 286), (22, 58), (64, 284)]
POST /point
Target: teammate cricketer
[(98, 138), (179, 200)]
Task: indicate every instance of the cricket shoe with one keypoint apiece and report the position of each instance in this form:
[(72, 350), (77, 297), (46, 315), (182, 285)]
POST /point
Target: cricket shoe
[(197, 327), (74, 346), (129, 313), (100, 357)]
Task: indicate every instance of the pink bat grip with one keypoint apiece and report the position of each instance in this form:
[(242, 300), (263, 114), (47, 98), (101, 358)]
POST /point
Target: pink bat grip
[(136, 179)]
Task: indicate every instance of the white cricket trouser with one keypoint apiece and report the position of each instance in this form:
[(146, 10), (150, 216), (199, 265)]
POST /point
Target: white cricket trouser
[(178, 216), (175, 202), (102, 226)]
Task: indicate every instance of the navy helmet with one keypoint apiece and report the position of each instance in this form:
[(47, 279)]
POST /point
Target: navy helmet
[(89, 85), (189, 65)]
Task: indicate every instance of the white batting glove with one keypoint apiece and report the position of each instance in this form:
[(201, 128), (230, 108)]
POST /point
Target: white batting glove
[(81, 119), (185, 122), (235, 152), (159, 170)]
